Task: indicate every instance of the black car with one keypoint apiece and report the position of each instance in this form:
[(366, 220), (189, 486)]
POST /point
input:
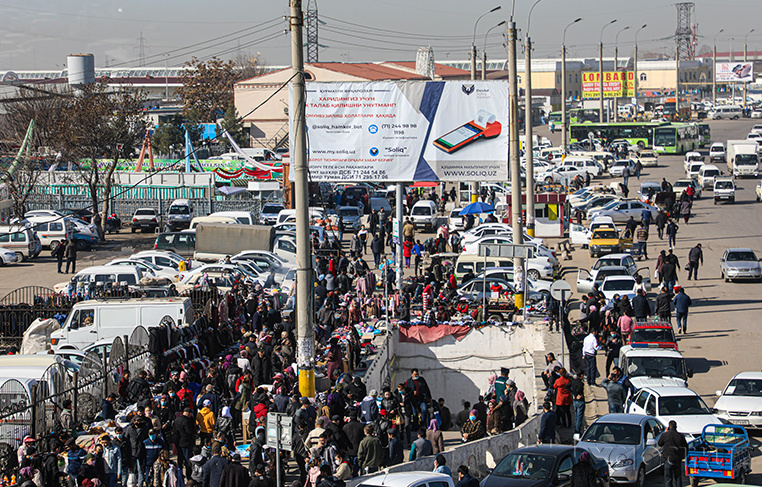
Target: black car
[(542, 466)]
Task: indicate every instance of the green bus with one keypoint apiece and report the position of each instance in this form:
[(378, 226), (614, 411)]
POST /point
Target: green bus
[(575, 115), (636, 133), (676, 138), (705, 134)]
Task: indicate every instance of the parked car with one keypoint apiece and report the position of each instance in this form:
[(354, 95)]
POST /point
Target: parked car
[(740, 264), (269, 213), (621, 285), (648, 158), (181, 243), (474, 289), (628, 442), (678, 404), (408, 479), (542, 466), (352, 216), (620, 211), (561, 174), (741, 401), (163, 259), (147, 268), (145, 219), (656, 334), (617, 169), (587, 279), (7, 256), (682, 184)]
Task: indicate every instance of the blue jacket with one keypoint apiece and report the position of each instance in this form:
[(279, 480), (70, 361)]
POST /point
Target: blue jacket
[(548, 427), (153, 448), (213, 471), (107, 410), (75, 458), (682, 302)]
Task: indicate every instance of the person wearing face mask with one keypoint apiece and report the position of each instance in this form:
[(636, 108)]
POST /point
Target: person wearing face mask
[(342, 468), (153, 446), (256, 455), (166, 414), (404, 398), (613, 345), (421, 395), (472, 429), (184, 433)]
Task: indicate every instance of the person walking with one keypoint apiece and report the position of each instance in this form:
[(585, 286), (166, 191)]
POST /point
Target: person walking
[(685, 209), (672, 233), (421, 447), (547, 434), (377, 247), (71, 256), (641, 235), (669, 274), (615, 393), (695, 256), (674, 449), (641, 309), (664, 306), (661, 223), (370, 453), (59, 254), (638, 168), (576, 388), (626, 176), (682, 302), (614, 344)]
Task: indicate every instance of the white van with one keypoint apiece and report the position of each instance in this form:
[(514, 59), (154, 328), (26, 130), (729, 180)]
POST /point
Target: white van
[(51, 230), (423, 214), (243, 217), (408, 479), (101, 275), (586, 164), (179, 215), (285, 248), (21, 240), (212, 219), (103, 319), (707, 174), (315, 214), (729, 112)]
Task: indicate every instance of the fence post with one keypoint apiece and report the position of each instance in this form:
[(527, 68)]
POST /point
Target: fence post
[(74, 407), (105, 373), (126, 354), (33, 415)]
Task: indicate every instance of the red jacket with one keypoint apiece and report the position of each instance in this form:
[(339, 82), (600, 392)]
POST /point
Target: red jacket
[(563, 396)]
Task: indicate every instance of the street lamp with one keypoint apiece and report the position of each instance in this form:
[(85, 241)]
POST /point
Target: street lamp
[(473, 41), (714, 67), (745, 52), (635, 70), (564, 121), (484, 52), (528, 146), (616, 70), (600, 70)]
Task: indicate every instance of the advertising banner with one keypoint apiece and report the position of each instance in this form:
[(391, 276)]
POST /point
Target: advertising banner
[(407, 131), (734, 72), (615, 84)]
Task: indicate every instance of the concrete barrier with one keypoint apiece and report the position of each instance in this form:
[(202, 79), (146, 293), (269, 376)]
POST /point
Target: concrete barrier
[(478, 455)]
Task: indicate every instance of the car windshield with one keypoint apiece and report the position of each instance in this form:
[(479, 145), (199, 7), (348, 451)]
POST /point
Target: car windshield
[(614, 433), (605, 234), (349, 211), (611, 205), (619, 285), (421, 210), (179, 210), (723, 185), (679, 405), (746, 159), (525, 465), (711, 173), (604, 273), (145, 212), (744, 387), (652, 335), (656, 367), (747, 256), (606, 263), (272, 209)]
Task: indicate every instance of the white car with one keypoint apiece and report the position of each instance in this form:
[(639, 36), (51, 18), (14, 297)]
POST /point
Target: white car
[(617, 169), (620, 211), (222, 268), (673, 403), (506, 274), (758, 191), (682, 184), (455, 221), (621, 285), (148, 268), (539, 250), (691, 157), (648, 158), (251, 254), (693, 169), (562, 174), (487, 229), (7, 256), (163, 259), (741, 400)]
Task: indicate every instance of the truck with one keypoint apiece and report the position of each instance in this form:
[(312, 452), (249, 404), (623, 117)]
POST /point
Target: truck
[(742, 158), (214, 241)]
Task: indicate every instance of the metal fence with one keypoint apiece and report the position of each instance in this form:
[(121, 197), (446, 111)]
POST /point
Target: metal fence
[(19, 308)]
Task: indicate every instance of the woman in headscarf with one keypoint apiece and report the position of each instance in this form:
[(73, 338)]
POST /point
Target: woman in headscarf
[(521, 407), (434, 435), (472, 429), (491, 387), (494, 418), (335, 361), (583, 472)]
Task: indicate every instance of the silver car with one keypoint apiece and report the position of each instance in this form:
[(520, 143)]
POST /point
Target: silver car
[(740, 264), (628, 443)]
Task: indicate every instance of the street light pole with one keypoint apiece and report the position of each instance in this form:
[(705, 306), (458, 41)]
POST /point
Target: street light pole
[(600, 70), (635, 71), (528, 145), (745, 52), (475, 186), (484, 52), (714, 68), (564, 120), (733, 84), (515, 163), (616, 70)]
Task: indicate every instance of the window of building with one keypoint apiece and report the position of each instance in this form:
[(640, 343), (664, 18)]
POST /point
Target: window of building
[(643, 77)]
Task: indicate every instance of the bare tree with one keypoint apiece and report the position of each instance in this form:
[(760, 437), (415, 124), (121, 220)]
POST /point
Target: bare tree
[(98, 129), (248, 65)]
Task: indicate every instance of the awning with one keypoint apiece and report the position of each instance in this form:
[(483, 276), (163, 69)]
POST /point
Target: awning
[(230, 190), (426, 184)]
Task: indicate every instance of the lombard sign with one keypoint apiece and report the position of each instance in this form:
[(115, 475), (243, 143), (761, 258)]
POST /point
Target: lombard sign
[(615, 84), (398, 131), (734, 72)]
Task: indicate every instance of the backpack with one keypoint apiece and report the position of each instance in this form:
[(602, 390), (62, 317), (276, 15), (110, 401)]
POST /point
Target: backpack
[(234, 371), (197, 466)]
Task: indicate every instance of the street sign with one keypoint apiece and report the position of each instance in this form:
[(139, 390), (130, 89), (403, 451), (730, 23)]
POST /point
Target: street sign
[(560, 290), (395, 231), (278, 431), (506, 250)]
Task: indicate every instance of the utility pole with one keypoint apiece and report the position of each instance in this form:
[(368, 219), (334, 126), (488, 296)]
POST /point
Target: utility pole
[(714, 68), (600, 69), (635, 64), (677, 81), (515, 163), (745, 52), (564, 119), (399, 212), (528, 143), (305, 340)]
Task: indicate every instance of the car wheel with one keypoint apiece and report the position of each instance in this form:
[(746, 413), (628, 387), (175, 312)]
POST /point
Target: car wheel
[(20, 257), (81, 245), (741, 479), (735, 118), (549, 180), (592, 254), (496, 317), (132, 229), (533, 274), (694, 481), (54, 245), (640, 480)]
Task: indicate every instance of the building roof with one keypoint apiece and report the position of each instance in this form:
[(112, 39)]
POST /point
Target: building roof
[(369, 71), (440, 70)]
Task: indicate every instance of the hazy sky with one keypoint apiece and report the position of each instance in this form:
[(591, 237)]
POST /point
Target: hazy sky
[(38, 34)]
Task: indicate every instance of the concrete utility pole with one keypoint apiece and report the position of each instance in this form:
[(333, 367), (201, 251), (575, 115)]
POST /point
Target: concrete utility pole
[(515, 163), (305, 340), (600, 70), (714, 68), (564, 119), (622, 83), (745, 52), (677, 81), (635, 66), (528, 145), (399, 212)]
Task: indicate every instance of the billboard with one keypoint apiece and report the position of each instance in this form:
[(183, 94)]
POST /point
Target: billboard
[(399, 131), (615, 84), (734, 72)]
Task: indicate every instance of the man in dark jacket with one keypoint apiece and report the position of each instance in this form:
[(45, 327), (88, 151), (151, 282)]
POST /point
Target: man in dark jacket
[(71, 256), (682, 302), (674, 449), (338, 436), (59, 253), (107, 407), (395, 450), (184, 430), (354, 432), (547, 432), (234, 474), (640, 306), (421, 395), (664, 305), (583, 472), (256, 456), (213, 467), (262, 369), (576, 388), (669, 275), (138, 388), (136, 433), (465, 479), (377, 247), (695, 256)]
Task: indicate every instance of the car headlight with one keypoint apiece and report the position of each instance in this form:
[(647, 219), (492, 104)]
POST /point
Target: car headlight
[(622, 463), (756, 413)]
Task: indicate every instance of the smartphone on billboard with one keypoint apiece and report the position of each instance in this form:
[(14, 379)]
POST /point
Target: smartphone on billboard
[(459, 138)]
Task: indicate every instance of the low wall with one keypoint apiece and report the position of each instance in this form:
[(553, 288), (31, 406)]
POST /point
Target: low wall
[(478, 455), (379, 373)]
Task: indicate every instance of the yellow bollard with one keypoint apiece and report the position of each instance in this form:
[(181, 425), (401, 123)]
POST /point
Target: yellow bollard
[(474, 197), (518, 300), (530, 232), (307, 382)]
